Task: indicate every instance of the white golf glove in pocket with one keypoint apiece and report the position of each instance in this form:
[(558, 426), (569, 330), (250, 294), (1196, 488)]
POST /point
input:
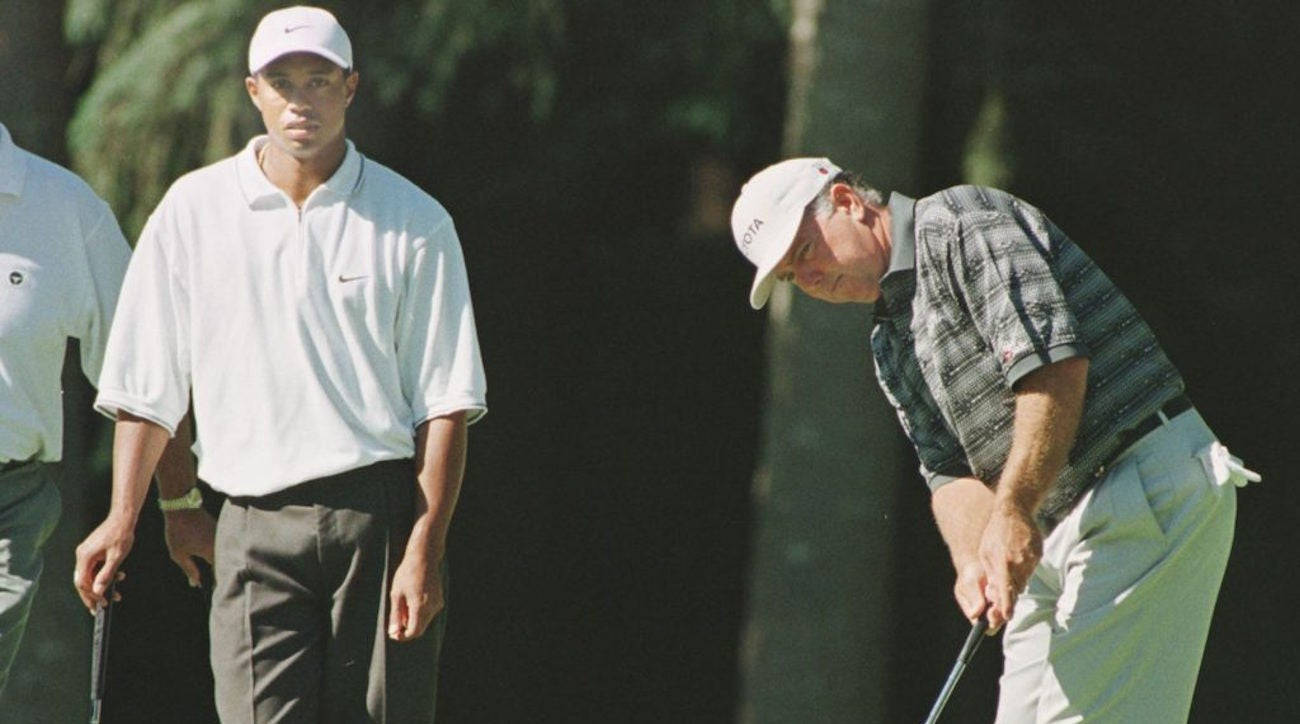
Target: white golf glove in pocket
[(1222, 467)]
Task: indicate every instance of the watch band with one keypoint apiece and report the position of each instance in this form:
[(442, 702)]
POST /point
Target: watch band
[(191, 500)]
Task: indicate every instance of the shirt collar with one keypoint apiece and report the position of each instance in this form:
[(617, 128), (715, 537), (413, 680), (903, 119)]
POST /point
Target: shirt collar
[(13, 167), (896, 286), (902, 233), (259, 192)]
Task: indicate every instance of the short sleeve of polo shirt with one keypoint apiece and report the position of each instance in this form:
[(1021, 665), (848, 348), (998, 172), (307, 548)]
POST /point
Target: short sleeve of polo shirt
[(146, 364), (440, 365), (1004, 259)]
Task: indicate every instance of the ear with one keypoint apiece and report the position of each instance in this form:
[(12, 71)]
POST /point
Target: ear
[(350, 85), (844, 197), (250, 85)]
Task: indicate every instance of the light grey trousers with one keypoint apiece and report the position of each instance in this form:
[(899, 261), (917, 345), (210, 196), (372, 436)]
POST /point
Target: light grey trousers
[(1113, 622), (300, 602), (30, 505)]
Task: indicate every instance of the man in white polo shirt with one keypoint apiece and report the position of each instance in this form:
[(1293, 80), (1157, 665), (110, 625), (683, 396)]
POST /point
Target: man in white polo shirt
[(62, 257), (315, 306)]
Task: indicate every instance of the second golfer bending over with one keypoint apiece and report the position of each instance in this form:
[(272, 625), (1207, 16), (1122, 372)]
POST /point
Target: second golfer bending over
[(315, 305), (1086, 504)]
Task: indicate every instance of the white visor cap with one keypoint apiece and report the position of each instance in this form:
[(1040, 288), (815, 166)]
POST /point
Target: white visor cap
[(768, 212), (299, 29)]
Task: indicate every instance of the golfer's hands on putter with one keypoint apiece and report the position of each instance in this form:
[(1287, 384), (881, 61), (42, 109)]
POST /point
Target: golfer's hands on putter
[(189, 534), (1049, 402), (415, 597), (1009, 551), (994, 549)]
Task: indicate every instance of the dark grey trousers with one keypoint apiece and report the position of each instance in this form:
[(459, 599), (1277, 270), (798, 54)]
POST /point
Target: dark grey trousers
[(30, 505), (300, 603)]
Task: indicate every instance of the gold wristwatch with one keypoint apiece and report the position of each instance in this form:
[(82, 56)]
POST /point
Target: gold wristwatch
[(191, 500)]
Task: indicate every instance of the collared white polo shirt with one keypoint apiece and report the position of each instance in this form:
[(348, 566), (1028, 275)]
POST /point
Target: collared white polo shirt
[(62, 257), (313, 341)]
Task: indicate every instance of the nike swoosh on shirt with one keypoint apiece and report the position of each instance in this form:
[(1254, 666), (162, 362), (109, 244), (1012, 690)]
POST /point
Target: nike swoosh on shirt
[(345, 280)]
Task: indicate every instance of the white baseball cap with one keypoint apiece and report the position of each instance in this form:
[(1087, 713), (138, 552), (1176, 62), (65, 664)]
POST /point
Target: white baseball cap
[(768, 212), (299, 29)]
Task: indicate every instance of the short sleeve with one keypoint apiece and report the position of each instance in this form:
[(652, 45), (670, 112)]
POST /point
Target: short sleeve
[(106, 255), (438, 356), (146, 363), (1004, 264)]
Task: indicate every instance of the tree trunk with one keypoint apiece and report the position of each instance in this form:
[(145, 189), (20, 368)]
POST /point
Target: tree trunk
[(817, 636)]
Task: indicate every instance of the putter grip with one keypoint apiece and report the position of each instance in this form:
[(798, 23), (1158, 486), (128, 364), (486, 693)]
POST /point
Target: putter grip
[(99, 654), (973, 640)]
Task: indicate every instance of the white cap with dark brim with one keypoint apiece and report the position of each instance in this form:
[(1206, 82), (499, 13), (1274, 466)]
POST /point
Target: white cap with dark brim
[(299, 29), (768, 212)]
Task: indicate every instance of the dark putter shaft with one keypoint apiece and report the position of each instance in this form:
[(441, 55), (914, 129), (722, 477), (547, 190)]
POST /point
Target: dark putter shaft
[(99, 656), (973, 640)]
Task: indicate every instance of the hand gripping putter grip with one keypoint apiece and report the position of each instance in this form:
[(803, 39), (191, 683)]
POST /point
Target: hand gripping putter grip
[(99, 655), (973, 640)]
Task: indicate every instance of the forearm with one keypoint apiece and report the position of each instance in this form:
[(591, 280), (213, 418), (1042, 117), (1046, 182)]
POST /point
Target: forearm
[(961, 511), (137, 447), (440, 446), (1049, 403), (175, 470)]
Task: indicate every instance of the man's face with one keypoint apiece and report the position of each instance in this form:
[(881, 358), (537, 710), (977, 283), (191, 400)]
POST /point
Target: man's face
[(839, 257), (303, 99)]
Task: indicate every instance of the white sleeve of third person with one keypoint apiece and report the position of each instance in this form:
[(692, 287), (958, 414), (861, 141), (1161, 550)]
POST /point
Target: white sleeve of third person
[(437, 346), (146, 365)]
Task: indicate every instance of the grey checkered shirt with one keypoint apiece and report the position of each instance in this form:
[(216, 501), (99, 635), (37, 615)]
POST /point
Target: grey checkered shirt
[(982, 289)]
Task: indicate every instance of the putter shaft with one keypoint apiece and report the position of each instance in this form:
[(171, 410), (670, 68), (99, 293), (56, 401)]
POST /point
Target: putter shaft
[(972, 643)]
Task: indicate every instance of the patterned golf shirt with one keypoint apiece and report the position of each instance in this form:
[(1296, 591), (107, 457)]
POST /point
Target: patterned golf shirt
[(982, 289)]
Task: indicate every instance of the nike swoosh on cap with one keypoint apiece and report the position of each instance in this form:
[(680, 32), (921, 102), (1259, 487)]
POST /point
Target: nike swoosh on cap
[(296, 27)]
